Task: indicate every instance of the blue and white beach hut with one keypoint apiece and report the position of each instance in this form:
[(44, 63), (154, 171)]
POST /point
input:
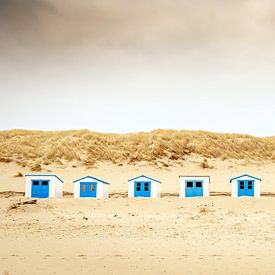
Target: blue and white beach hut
[(143, 186), (245, 185), (43, 186), (90, 187)]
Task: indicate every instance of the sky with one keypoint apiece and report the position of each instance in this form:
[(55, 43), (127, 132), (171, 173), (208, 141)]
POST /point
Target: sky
[(125, 66)]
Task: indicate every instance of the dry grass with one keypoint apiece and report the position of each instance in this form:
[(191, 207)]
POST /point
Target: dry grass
[(12, 206), (36, 167), (36, 148), (206, 165), (203, 210), (19, 175)]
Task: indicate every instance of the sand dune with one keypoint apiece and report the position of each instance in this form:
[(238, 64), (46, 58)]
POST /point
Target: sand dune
[(129, 236), (36, 149), (215, 235)]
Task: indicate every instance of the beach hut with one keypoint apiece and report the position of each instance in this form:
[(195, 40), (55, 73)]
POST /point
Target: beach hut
[(194, 186), (143, 186), (245, 185), (43, 186), (90, 187)]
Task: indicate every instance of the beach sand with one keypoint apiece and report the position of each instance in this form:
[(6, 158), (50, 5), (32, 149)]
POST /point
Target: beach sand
[(169, 235)]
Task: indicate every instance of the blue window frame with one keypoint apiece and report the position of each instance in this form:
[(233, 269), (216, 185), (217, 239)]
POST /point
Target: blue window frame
[(193, 188), (245, 188), (40, 188), (88, 189), (142, 188)]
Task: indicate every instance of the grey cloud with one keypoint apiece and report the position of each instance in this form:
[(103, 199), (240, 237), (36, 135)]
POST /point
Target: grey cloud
[(62, 54), (134, 25)]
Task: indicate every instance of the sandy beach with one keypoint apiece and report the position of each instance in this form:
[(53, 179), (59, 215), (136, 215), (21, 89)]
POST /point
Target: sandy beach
[(169, 235)]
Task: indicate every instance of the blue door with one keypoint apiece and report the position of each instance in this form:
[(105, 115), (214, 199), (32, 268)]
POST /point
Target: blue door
[(142, 189), (40, 188), (193, 188), (246, 188), (88, 189)]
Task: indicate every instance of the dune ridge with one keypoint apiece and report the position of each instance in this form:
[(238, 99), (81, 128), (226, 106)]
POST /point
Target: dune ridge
[(36, 148)]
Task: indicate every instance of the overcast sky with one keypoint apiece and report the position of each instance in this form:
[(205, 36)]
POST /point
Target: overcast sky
[(124, 66)]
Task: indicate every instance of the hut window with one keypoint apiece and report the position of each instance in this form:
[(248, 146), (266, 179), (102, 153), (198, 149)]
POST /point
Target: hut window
[(189, 184), (35, 182), (241, 185), (146, 186), (92, 187), (44, 183), (138, 186), (249, 185), (84, 187), (199, 184)]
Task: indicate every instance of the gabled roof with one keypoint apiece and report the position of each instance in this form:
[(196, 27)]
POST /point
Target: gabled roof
[(93, 178), (144, 177), (245, 175), (44, 175)]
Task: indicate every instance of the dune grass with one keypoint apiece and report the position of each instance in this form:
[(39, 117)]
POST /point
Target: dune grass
[(35, 148)]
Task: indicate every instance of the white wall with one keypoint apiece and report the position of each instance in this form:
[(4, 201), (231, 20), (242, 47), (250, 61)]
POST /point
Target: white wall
[(105, 194), (99, 190), (55, 186), (76, 189), (155, 187), (131, 191), (58, 188), (182, 187), (159, 190), (206, 184), (257, 186), (28, 187), (234, 192)]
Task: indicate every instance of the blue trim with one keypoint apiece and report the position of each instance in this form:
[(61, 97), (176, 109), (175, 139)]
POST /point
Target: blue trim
[(245, 175), (43, 175), (144, 177), (89, 177)]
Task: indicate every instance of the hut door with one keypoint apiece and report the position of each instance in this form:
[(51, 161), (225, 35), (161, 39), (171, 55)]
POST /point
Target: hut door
[(88, 189), (40, 188), (250, 188), (193, 188), (246, 188), (198, 188), (142, 189)]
